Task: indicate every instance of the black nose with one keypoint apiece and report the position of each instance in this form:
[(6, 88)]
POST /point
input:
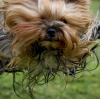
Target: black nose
[(51, 32)]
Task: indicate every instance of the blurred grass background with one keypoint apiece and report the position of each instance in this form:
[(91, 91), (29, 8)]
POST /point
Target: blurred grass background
[(84, 86)]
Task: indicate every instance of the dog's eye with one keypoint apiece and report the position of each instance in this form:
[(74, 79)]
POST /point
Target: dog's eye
[(64, 20)]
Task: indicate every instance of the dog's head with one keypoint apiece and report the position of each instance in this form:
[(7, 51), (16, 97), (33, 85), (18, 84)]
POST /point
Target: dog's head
[(48, 29)]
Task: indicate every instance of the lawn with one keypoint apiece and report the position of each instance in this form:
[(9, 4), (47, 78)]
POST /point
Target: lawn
[(85, 86)]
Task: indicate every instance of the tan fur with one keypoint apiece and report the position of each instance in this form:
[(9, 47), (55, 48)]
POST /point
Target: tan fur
[(25, 20)]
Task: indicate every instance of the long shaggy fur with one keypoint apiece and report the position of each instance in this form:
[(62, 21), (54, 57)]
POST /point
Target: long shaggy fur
[(26, 23)]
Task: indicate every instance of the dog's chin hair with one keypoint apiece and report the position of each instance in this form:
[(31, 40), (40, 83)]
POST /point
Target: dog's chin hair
[(45, 64)]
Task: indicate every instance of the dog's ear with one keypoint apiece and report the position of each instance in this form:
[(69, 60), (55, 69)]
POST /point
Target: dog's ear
[(19, 11)]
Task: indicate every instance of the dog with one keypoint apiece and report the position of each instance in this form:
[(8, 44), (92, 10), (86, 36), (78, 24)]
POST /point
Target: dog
[(45, 37)]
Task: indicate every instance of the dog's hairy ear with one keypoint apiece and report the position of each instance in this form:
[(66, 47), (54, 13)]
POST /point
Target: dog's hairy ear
[(18, 11)]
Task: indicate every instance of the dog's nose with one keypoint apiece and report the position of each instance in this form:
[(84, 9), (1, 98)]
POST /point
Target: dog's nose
[(51, 32)]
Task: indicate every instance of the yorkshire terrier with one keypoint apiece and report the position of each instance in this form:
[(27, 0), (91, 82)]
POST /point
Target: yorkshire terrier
[(45, 37)]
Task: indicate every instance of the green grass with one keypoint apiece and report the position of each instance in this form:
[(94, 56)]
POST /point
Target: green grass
[(95, 5), (85, 86)]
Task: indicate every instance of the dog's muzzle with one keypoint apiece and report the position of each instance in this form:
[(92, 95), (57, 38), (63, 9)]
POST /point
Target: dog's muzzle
[(53, 29)]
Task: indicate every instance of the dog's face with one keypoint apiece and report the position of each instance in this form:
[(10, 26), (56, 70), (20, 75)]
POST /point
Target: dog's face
[(51, 23), (48, 26)]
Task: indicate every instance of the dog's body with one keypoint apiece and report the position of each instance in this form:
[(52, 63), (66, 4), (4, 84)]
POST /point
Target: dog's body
[(45, 36)]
